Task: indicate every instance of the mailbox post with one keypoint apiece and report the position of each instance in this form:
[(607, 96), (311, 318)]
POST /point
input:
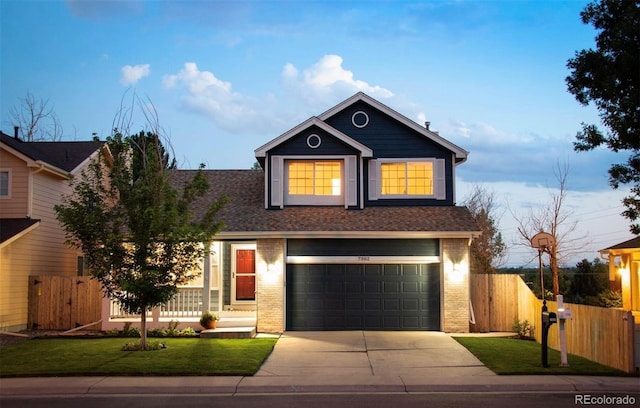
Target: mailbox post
[(548, 318)]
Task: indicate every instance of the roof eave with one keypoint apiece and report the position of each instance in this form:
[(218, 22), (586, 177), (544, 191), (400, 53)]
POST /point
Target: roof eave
[(20, 234), (262, 150), (460, 153), (347, 234)]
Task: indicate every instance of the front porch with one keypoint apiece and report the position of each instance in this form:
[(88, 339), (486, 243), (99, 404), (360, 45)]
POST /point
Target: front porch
[(186, 309)]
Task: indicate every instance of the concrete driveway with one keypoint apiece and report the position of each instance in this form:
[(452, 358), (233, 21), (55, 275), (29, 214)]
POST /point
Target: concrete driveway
[(370, 354)]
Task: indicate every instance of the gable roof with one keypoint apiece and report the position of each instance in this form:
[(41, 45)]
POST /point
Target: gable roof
[(65, 156), (460, 153), (313, 121), (13, 228), (633, 243), (244, 214)]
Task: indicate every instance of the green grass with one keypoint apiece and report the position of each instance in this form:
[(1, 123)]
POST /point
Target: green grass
[(183, 356), (512, 356)]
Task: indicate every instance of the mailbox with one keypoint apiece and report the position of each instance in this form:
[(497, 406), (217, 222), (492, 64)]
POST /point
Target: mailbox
[(548, 318)]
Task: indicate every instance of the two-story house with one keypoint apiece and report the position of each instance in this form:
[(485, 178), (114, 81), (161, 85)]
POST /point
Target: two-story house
[(351, 224), (33, 178)]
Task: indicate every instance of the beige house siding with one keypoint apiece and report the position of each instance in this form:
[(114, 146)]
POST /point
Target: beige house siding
[(16, 260), (16, 205), (54, 257), (42, 251), (455, 291)]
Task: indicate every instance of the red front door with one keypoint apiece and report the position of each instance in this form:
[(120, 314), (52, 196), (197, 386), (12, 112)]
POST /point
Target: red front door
[(245, 274)]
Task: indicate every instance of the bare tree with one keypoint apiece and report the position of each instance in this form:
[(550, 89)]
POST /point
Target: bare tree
[(556, 220), (488, 250), (36, 119)]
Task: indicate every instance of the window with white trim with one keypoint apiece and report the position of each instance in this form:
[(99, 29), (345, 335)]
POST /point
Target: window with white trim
[(5, 183), (314, 182), (407, 178)]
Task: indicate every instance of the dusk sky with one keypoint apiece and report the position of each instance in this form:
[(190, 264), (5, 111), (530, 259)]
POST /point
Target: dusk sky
[(225, 77)]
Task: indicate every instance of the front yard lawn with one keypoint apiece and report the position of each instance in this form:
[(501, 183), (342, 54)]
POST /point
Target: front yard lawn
[(512, 356), (103, 356)]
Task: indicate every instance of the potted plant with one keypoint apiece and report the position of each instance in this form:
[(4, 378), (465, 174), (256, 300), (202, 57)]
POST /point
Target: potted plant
[(208, 320)]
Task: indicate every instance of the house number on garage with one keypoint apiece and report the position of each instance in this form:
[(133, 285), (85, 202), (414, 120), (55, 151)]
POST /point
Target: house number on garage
[(363, 258)]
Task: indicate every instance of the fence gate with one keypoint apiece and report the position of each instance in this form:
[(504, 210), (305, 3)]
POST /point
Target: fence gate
[(63, 302)]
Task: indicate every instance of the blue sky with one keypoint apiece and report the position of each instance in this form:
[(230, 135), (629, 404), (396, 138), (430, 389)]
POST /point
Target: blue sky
[(226, 77)]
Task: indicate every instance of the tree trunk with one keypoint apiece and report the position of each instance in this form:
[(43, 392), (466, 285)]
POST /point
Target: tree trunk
[(554, 271), (143, 329)]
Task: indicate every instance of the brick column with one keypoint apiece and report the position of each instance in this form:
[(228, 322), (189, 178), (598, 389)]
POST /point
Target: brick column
[(455, 263), (270, 268)]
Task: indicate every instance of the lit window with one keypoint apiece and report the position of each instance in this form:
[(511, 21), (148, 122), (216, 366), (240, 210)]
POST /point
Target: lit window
[(407, 178), (4, 183), (321, 178)]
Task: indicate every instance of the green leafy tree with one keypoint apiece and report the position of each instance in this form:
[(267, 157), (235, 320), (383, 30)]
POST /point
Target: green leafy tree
[(137, 230), (589, 281), (488, 250), (609, 77)]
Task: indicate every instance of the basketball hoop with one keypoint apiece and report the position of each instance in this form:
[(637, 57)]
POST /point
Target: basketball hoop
[(542, 240)]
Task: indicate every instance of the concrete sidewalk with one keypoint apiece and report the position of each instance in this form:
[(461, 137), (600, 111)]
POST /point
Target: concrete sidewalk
[(336, 362), (312, 384)]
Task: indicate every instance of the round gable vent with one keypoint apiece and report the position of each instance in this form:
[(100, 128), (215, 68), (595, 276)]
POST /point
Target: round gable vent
[(313, 141), (360, 119)]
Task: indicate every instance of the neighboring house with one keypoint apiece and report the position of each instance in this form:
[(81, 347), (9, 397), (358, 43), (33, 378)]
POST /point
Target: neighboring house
[(351, 225), (33, 178), (624, 263)]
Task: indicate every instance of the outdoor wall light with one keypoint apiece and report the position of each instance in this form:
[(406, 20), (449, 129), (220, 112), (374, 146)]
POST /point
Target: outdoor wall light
[(456, 273), (271, 275)]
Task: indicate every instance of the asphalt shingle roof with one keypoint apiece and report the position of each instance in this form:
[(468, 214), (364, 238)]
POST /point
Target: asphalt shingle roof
[(632, 243), (10, 227), (63, 155), (245, 210)]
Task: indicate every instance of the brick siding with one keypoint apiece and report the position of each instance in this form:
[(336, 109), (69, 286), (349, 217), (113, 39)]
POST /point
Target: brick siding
[(455, 262), (270, 265)]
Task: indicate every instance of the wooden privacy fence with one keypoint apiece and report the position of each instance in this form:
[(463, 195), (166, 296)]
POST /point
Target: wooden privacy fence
[(63, 302), (599, 334)]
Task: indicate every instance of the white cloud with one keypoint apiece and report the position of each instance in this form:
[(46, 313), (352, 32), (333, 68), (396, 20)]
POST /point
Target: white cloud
[(206, 94), (132, 74), (318, 87), (327, 82)]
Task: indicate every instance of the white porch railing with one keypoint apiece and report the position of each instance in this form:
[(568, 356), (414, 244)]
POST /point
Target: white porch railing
[(186, 303)]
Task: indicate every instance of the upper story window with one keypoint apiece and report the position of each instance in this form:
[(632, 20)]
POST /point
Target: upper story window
[(314, 182), (5, 183), (407, 178)]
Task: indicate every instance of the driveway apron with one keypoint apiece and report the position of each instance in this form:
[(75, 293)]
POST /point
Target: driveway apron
[(371, 354)]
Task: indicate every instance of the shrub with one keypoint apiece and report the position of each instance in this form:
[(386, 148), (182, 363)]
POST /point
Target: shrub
[(151, 346), (188, 332), (524, 329), (610, 298), (159, 332), (129, 331), (173, 331)]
